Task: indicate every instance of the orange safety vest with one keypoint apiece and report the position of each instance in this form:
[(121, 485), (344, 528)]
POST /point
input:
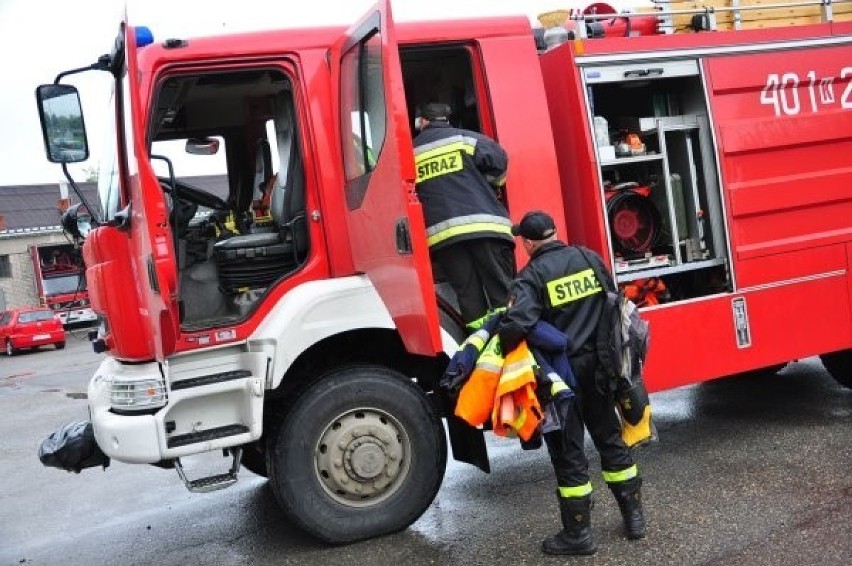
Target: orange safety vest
[(476, 397), (502, 389), (516, 407)]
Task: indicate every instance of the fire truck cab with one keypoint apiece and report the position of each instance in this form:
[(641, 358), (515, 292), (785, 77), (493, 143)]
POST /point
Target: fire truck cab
[(291, 317)]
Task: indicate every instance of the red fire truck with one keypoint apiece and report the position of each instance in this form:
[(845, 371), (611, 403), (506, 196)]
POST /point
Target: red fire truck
[(293, 322), (60, 283)]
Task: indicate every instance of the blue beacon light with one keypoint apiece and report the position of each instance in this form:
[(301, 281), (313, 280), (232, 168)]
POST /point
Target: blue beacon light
[(143, 36)]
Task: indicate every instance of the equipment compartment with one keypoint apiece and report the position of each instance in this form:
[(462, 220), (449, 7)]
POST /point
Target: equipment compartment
[(659, 180)]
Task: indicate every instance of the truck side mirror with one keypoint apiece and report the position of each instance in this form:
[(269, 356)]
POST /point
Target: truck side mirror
[(77, 222), (62, 124)]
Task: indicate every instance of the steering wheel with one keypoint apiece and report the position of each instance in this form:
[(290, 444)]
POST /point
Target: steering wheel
[(194, 194)]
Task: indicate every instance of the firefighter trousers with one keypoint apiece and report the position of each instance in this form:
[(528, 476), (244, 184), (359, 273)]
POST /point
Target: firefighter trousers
[(480, 271), (597, 411)]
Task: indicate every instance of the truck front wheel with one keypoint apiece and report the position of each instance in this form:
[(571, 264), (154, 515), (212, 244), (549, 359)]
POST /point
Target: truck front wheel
[(361, 454), (839, 365)]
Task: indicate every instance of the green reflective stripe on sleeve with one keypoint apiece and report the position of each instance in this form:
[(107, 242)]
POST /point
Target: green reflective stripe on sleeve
[(477, 324), (575, 491), (558, 386), (621, 475), (439, 237)]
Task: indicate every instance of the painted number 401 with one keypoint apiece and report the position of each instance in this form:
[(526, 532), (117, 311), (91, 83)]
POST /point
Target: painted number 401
[(782, 92)]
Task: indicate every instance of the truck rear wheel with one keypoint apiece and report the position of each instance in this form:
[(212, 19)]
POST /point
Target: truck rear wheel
[(839, 365), (361, 454), (10, 351)]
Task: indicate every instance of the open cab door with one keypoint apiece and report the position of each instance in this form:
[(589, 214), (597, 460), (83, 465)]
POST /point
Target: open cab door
[(152, 242), (384, 217)]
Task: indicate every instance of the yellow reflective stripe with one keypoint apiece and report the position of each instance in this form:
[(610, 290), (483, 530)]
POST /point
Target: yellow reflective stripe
[(477, 324), (621, 475), (572, 287), (491, 359), (518, 423), (468, 229), (489, 367), (496, 181), (478, 339), (558, 386), (575, 491), (440, 150)]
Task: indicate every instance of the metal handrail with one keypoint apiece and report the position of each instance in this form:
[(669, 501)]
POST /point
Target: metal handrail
[(710, 11)]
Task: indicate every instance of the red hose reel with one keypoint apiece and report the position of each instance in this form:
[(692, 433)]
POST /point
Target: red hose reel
[(634, 222)]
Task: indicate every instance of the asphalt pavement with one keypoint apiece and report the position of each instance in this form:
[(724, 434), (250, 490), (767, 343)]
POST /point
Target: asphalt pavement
[(748, 471)]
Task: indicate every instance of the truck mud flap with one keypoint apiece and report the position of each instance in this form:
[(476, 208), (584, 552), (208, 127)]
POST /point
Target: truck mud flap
[(468, 443)]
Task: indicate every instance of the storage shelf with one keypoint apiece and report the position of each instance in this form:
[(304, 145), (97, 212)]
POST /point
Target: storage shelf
[(661, 271), (633, 159)]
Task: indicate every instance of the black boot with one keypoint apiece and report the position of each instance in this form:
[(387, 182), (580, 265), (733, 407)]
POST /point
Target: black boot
[(575, 538), (629, 499)]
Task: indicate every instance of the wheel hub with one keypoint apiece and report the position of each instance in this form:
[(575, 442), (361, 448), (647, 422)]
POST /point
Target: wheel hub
[(362, 457)]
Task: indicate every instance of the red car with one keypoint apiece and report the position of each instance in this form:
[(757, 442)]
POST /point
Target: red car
[(30, 328)]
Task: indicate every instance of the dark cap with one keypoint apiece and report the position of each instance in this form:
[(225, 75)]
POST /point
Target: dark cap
[(436, 111), (535, 225)]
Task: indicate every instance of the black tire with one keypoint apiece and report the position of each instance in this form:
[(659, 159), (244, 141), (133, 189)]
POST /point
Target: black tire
[(60, 345), (254, 459), (10, 351), (839, 365), (361, 454)]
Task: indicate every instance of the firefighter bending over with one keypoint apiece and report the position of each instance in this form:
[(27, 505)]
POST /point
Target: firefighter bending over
[(559, 286), (468, 228)]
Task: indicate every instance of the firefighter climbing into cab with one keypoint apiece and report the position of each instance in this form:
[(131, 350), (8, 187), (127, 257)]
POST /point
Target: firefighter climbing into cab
[(468, 228)]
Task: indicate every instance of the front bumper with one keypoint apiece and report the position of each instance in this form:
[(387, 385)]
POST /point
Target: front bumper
[(203, 416)]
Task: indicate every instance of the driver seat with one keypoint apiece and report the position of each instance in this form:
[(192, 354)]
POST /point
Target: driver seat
[(256, 260)]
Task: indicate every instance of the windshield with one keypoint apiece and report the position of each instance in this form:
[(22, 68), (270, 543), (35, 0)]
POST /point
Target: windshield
[(108, 188), (35, 316), (64, 284)]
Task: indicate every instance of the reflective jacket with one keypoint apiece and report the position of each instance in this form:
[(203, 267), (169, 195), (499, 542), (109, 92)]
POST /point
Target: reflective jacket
[(456, 172), (558, 285), (516, 407), (502, 389)]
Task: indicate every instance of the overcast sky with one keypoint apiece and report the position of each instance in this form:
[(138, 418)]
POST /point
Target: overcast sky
[(40, 38)]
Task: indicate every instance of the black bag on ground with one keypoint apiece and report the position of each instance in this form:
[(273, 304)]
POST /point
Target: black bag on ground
[(72, 448)]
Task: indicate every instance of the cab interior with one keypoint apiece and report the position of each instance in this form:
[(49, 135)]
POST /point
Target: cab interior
[(246, 228)]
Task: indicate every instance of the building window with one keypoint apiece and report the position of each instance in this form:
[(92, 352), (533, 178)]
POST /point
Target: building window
[(5, 266)]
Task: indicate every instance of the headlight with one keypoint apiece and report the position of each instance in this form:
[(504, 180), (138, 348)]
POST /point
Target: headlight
[(131, 394)]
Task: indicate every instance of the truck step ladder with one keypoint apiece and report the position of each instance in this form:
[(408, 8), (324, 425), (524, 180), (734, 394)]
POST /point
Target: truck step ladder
[(214, 482)]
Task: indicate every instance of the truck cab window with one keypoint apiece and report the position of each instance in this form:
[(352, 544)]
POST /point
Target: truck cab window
[(362, 113)]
